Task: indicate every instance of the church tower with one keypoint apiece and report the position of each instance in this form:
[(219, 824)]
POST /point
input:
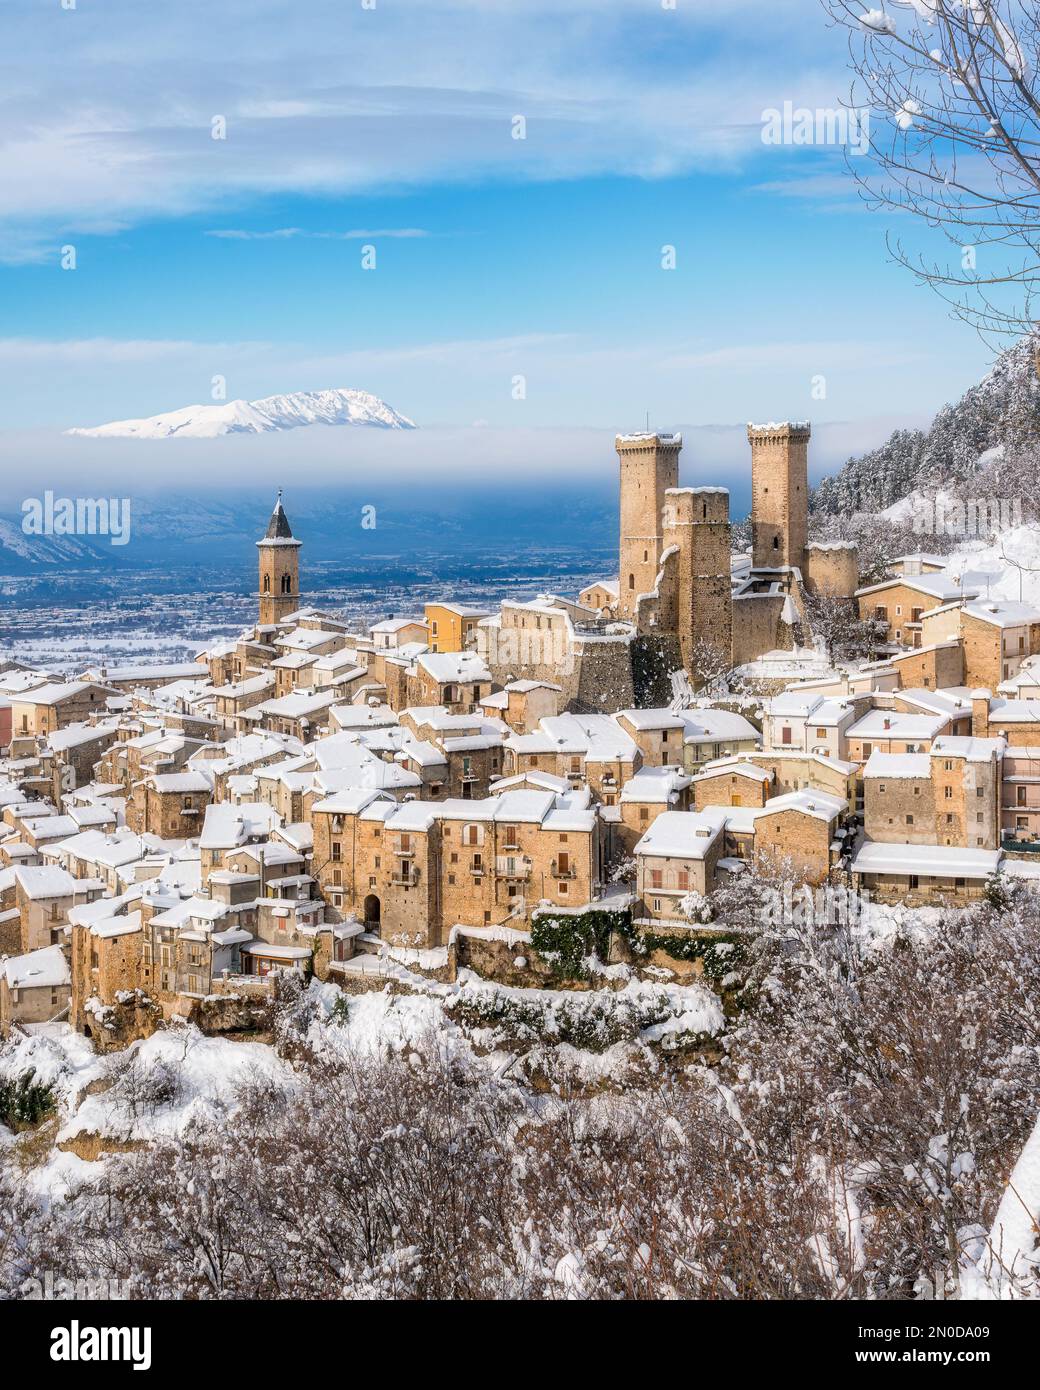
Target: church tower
[(649, 468), (779, 494), (279, 569)]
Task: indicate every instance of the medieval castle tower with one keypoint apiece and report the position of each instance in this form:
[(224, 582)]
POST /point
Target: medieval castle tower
[(675, 549), (649, 470), (675, 557), (279, 591), (779, 494)]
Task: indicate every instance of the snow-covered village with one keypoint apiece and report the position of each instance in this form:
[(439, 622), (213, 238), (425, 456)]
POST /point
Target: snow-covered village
[(507, 826)]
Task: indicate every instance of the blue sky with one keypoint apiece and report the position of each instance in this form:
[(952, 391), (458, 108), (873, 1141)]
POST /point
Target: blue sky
[(495, 257)]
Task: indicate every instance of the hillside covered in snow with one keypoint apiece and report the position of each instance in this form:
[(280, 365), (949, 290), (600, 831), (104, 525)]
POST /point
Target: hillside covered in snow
[(343, 406), (998, 418)]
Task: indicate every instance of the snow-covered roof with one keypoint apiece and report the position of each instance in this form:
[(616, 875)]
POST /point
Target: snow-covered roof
[(1002, 613), (819, 805), (1014, 712), (928, 861), (682, 834), (117, 926), (879, 723), (655, 784), (227, 826), (975, 750), (46, 968), (45, 881), (448, 667)]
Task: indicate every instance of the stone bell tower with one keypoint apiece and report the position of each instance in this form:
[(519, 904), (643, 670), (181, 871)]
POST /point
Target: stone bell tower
[(279, 593), (779, 494), (649, 468)]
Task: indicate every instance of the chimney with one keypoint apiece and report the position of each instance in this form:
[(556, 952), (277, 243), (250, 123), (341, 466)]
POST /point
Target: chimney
[(980, 713)]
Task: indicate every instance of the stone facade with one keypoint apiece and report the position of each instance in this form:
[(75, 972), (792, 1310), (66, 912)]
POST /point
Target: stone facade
[(779, 493)]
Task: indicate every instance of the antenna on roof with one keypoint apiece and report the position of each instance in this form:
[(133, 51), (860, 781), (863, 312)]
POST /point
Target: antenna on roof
[(648, 422)]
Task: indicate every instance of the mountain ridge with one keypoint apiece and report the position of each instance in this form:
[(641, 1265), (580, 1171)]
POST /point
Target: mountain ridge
[(293, 410)]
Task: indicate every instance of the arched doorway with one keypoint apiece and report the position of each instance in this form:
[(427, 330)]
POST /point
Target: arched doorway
[(372, 914)]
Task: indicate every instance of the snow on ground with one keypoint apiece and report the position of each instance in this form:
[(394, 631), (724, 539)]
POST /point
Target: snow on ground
[(61, 1058), (1006, 568), (1010, 1264), (205, 1075)]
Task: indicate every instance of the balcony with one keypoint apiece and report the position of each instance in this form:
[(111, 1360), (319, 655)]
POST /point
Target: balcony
[(519, 870), (557, 872)]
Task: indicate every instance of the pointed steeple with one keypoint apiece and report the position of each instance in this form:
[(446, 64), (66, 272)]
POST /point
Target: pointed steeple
[(278, 528)]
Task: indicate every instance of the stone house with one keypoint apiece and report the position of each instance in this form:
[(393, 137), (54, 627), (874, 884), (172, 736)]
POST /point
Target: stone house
[(48, 708), (1020, 795), (919, 875), (649, 794), (901, 601), (34, 988), (733, 782), (452, 627), (43, 895), (171, 805), (411, 871), (677, 855), (106, 960), (456, 680), (523, 704), (801, 829)]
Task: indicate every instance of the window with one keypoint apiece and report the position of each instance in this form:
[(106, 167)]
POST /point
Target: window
[(1020, 796), (656, 878), (644, 813), (631, 581), (947, 793), (683, 879), (563, 864), (909, 820)]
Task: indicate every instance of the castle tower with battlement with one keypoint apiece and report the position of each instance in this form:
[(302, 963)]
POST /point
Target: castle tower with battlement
[(649, 468), (696, 536), (279, 592), (779, 494)]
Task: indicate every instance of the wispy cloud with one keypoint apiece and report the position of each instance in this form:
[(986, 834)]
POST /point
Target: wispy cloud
[(291, 233), (108, 112)]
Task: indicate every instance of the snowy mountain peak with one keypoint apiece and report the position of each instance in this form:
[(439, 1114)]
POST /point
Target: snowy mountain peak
[(344, 406)]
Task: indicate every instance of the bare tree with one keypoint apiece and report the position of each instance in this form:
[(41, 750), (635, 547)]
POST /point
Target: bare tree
[(953, 93)]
